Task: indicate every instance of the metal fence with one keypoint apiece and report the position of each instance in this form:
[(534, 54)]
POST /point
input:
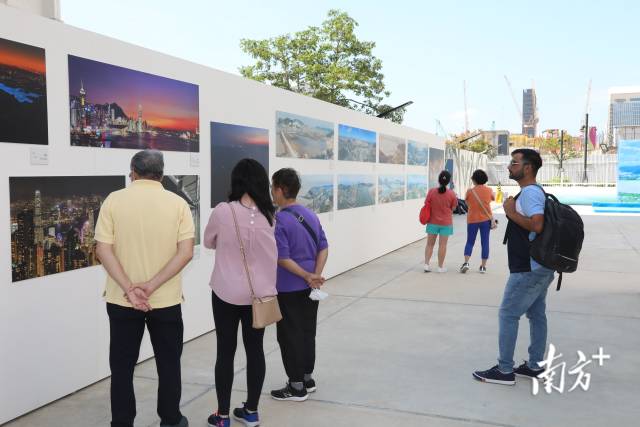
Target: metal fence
[(601, 170), (464, 163)]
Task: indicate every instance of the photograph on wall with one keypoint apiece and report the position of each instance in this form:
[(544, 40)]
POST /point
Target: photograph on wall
[(417, 153), (316, 192), (23, 94), (116, 107), (390, 188), (417, 186), (187, 187), (391, 150), (436, 165), (355, 191), (356, 145), (53, 222), (303, 137), (230, 144), (629, 171)]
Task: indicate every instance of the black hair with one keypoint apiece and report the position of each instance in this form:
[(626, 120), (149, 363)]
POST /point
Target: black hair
[(443, 179), (148, 164), (249, 176), (531, 157), (288, 181), (479, 177)]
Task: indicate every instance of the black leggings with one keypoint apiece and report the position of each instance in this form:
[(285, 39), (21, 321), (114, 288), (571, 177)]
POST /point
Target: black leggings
[(226, 316)]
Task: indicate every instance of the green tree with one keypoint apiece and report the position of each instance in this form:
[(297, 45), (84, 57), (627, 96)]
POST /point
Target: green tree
[(326, 62), (476, 143), (551, 146)]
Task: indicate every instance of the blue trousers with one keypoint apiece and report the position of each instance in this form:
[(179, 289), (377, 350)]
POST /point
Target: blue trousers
[(525, 293), (472, 232)]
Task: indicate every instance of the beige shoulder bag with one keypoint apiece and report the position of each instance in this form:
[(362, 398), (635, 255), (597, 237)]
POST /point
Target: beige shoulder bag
[(265, 310), (494, 222)]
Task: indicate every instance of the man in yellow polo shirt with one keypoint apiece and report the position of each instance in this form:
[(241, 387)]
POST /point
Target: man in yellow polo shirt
[(145, 238)]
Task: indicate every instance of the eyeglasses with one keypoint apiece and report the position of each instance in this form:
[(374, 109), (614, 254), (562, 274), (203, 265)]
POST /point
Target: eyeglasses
[(513, 163)]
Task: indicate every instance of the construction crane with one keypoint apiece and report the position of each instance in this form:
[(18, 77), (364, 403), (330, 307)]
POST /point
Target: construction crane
[(440, 129), (466, 113), (514, 99)]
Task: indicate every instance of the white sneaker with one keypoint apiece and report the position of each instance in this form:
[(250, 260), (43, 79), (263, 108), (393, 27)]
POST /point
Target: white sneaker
[(442, 269), (427, 269)]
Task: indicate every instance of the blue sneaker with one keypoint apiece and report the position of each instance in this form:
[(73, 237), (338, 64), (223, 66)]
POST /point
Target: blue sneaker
[(216, 420), (250, 419)]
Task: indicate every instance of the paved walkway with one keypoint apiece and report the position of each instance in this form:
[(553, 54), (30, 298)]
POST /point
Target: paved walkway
[(396, 347)]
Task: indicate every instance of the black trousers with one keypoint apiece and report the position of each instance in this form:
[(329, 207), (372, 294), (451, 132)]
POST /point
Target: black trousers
[(126, 327), (297, 333), (227, 316)]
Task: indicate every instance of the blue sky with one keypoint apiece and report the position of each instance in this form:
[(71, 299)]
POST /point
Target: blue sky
[(428, 48)]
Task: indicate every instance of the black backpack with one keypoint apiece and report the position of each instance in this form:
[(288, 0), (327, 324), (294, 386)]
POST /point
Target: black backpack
[(558, 246), (461, 208)]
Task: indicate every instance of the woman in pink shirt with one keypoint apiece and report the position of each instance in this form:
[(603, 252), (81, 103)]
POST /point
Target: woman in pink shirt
[(231, 297), (443, 201)]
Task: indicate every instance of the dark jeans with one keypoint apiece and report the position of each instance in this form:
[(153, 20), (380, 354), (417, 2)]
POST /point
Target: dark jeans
[(126, 327), (226, 317), (297, 333)]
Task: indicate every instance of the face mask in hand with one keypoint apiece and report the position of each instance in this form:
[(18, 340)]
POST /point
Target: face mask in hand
[(318, 295)]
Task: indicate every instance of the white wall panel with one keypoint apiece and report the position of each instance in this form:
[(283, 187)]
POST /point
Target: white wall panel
[(54, 329)]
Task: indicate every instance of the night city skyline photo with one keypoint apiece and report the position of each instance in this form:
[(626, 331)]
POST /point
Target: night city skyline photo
[(116, 107), (53, 222)]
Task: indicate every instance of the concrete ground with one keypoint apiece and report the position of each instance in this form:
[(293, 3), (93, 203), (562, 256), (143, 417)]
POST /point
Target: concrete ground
[(397, 346)]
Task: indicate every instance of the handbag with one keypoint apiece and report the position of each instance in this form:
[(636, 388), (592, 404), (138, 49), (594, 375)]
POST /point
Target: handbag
[(494, 222), (264, 310), (425, 213)]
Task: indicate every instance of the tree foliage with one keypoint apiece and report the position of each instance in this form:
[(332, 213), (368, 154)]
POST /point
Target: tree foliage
[(328, 62), (551, 146), (476, 144)]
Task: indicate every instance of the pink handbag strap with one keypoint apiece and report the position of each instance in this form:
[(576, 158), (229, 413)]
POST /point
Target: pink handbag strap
[(242, 251)]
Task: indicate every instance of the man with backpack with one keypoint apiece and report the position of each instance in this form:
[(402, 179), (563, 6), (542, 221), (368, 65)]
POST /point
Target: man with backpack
[(302, 255), (526, 289)]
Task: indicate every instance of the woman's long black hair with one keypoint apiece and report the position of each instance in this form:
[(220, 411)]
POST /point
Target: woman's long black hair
[(443, 179), (248, 176)]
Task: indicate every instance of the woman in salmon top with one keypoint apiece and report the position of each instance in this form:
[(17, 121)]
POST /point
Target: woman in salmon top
[(443, 201), (479, 218)]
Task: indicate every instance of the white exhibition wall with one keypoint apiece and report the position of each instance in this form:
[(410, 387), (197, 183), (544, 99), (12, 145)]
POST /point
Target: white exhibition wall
[(54, 329)]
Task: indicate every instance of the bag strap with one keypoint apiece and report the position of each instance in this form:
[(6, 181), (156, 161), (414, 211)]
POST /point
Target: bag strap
[(304, 223), (473, 190), (559, 281), (242, 251), (507, 230)]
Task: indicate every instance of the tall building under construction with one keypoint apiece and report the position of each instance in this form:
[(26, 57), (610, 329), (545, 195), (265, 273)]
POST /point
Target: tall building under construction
[(529, 113)]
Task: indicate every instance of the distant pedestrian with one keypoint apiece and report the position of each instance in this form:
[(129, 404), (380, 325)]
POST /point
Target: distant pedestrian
[(440, 226), (479, 218)]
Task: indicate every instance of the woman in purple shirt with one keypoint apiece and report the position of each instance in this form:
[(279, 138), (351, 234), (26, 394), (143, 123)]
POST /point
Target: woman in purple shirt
[(302, 255), (231, 297)]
